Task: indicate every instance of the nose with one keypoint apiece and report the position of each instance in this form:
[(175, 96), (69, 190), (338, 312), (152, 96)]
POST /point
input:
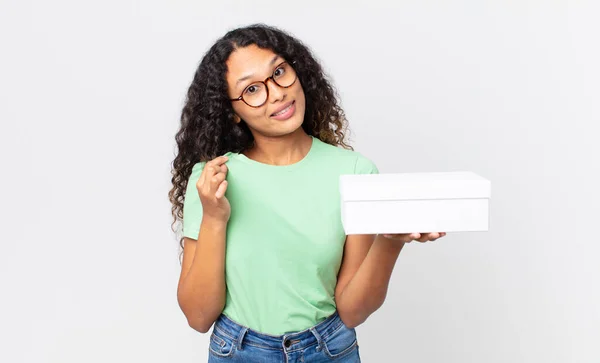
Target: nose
[(276, 93)]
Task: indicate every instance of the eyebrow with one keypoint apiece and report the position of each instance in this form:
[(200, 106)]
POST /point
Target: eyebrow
[(251, 75)]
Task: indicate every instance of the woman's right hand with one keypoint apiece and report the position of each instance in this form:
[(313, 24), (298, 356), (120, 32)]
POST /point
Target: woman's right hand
[(211, 188)]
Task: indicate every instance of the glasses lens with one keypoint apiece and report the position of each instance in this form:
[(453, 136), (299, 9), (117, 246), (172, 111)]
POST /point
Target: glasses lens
[(284, 75), (255, 94)]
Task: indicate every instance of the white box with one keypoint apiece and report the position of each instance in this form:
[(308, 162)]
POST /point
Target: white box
[(414, 202)]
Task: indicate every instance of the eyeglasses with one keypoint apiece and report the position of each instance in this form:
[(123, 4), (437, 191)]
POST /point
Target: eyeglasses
[(257, 93)]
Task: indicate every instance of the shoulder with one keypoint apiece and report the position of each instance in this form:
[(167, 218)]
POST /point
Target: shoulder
[(197, 170), (364, 165), (195, 175), (355, 161), (199, 166)]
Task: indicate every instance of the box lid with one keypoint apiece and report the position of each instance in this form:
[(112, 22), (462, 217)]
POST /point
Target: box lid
[(400, 186)]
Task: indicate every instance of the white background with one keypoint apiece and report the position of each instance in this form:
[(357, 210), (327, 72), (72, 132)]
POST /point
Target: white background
[(90, 97)]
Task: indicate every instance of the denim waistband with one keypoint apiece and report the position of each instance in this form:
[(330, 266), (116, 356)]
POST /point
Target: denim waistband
[(286, 342)]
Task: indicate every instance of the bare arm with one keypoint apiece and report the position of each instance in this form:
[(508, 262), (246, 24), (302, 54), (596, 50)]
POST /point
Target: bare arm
[(364, 277), (201, 290), (365, 273)]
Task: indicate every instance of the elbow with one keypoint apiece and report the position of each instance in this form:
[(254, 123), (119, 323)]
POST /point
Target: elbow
[(199, 326), (350, 320), (353, 317), (199, 320)]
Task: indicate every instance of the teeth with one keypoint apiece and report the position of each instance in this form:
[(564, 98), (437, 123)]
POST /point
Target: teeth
[(283, 111)]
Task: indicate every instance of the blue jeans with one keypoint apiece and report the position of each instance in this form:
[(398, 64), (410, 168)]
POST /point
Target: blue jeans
[(328, 341)]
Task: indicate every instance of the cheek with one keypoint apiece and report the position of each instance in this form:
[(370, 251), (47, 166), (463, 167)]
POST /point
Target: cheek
[(249, 114), (299, 95), (301, 102)]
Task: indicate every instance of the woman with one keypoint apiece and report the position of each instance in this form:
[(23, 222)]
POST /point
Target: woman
[(265, 257)]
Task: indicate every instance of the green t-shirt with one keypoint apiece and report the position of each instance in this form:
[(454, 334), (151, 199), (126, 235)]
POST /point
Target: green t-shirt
[(285, 239)]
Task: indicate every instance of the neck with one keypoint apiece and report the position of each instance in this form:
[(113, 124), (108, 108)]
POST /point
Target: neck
[(281, 150)]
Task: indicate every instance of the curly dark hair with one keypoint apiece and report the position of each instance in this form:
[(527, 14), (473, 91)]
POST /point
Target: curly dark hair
[(207, 126)]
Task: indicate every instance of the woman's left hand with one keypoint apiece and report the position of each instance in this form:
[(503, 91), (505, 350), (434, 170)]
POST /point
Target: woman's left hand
[(421, 237)]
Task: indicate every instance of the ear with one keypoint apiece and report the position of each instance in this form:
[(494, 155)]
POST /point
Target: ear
[(236, 118)]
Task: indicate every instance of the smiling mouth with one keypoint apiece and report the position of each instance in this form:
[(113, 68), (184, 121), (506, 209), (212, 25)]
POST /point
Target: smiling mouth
[(284, 110)]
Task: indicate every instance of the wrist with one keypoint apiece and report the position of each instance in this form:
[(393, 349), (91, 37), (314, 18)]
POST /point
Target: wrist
[(390, 242), (214, 223)]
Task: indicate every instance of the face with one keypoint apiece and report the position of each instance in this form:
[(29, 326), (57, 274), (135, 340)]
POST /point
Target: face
[(249, 65)]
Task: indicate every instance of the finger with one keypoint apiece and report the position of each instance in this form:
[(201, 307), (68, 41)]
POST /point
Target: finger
[(202, 178), (221, 190), (212, 167), (218, 161), (408, 237), (404, 237), (207, 173), (424, 237), (216, 181)]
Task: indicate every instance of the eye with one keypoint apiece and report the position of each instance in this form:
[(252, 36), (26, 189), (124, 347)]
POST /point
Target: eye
[(252, 89), (279, 71)]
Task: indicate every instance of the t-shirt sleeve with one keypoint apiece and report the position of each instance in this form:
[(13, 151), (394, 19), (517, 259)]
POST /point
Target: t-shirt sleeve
[(364, 165), (192, 206)]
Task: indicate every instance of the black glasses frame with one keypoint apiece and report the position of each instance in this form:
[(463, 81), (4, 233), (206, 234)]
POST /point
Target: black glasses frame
[(272, 77)]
